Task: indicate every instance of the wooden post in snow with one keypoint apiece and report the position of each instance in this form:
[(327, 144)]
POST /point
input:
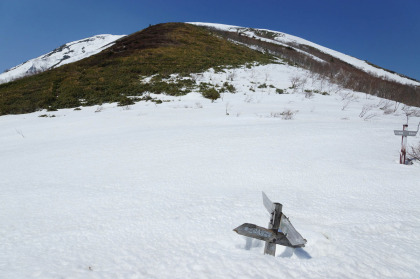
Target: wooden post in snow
[(270, 246), (404, 133)]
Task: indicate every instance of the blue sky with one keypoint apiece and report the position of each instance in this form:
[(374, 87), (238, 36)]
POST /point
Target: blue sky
[(384, 32)]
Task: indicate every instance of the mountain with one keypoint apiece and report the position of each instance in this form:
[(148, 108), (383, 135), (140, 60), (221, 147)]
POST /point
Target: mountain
[(325, 64), (126, 69), (305, 47), (67, 53), (154, 188), (115, 72)]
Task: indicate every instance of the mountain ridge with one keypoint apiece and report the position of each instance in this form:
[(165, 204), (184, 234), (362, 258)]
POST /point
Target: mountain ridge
[(280, 38), (289, 40), (67, 53), (114, 73), (118, 69)]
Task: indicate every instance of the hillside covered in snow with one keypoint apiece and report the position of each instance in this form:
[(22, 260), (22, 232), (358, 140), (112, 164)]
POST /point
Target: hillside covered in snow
[(293, 42), (67, 53)]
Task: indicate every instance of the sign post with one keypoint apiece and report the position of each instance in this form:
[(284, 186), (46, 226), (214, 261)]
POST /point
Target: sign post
[(274, 224), (280, 230), (404, 133)]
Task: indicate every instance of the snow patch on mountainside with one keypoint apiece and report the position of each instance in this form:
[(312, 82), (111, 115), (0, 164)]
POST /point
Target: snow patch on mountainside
[(68, 53), (286, 39)]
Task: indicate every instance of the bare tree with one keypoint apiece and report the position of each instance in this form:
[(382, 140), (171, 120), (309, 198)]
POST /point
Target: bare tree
[(410, 112), (414, 152), (347, 99), (303, 82), (295, 80), (298, 82), (287, 114)]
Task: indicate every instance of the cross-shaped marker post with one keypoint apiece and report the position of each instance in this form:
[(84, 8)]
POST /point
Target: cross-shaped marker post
[(405, 133), (280, 230)]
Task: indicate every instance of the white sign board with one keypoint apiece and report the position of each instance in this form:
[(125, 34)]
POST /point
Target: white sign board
[(405, 133)]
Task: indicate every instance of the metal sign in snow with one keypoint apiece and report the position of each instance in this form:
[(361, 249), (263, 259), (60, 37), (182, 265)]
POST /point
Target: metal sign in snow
[(405, 133), (255, 231), (280, 230), (284, 227)]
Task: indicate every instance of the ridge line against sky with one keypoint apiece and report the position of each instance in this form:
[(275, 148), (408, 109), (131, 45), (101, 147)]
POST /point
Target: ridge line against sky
[(383, 32)]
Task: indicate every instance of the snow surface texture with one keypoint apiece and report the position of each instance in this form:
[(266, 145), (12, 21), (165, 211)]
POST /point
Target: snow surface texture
[(68, 53), (154, 191), (285, 39)]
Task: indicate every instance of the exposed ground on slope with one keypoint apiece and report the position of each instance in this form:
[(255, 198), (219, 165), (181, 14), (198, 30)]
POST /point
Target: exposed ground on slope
[(114, 73)]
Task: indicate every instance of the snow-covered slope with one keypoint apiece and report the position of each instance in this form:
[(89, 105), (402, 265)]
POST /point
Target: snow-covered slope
[(286, 39), (155, 190), (68, 53)]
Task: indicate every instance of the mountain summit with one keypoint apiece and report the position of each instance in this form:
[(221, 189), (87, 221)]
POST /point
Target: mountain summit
[(120, 67)]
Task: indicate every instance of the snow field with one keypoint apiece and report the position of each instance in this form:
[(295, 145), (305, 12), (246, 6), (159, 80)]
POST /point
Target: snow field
[(154, 191)]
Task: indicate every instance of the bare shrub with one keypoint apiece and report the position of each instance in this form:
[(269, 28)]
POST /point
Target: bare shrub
[(275, 114), (198, 105), (414, 152), (303, 82), (384, 105), (295, 81), (248, 99), (348, 96), (322, 80), (396, 106), (345, 104), (309, 94), (298, 82), (411, 111), (347, 99), (370, 116), (338, 88), (366, 108), (287, 114)]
